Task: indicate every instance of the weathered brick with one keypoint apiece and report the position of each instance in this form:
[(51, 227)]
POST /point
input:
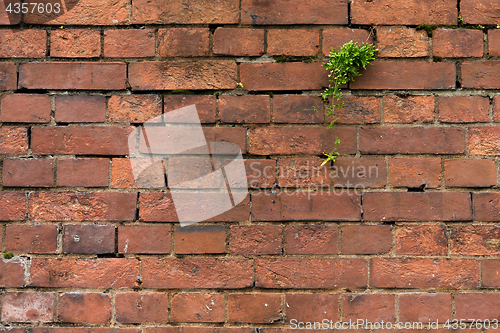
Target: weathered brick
[(293, 42), (481, 74), (311, 239), (25, 108), (23, 43), (13, 140), (88, 238), (150, 307), (134, 108), (475, 240), (303, 172), (8, 76), (415, 172), (298, 109), (245, 109), (255, 239), (130, 43), (422, 307), (480, 12), (358, 110), (464, 109), (260, 173), (7, 18), (80, 109), (238, 42), (254, 308), (12, 206), (335, 38), (205, 105), (370, 307), (31, 238), (183, 42), (12, 272), (359, 173), (28, 307), (421, 239), (494, 42), (457, 43), (84, 330), (477, 306), (484, 140), (490, 272), (28, 172), (200, 239), (75, 43), (197, 329), (312, 307), (122, 175), (470, 173), (394, 42), (411, 109), (486, 206), (366, 239), (85, 172), (84, 307), (147, 239), (192, 308)]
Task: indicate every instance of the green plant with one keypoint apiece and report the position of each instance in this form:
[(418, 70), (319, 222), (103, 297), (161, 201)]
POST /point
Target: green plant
[(8, 255), (333, 155), (239, 85)]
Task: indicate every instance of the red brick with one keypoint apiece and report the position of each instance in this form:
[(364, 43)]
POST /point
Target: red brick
[(13, 140), (88, 238), (130, 43), (480, 12), (470, 173), (122, 175), (297, 206), (75, 43), (370, 307), (422, 307), (255, 239), (490, 272), (394, 42), (421, 239), (7, 18), (132, 307), (484, 140), (25, 108), (481, 74), (28, 172), (475, 240), (31, 238), (412, 206), (80, 109), (415, 172), (134, 108), (411, 109), (183, 42), (359, 173), (245, 109), (12, 206), (238, 42), (198, 329), (198, 308), (12, 272), (494, 42), (302, 12), (16, 330), (366, 239), (392, 12), (303, 172), (311, 239), (205, 105), (84, 307), (84, 273), (464, 109), (73, 75), (83, 330), (8, 76), (283, 76), (254, 308), (84, 172), (82, 206), (457, 43), (175, 273), (477, 306), (297, 109), (173, 75), (292, 42), (312, 307), (335, 38), (28, 307), (200, 239), (496, 107), (412, 140), (407, 75), (260, 173), (23, 43), (81, 140), (423, 273), (358, 110), (146, 239), (194, 12), (486, 206)]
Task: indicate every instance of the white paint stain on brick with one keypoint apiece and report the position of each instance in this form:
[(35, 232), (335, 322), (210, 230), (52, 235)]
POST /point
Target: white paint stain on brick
[(28, 307)]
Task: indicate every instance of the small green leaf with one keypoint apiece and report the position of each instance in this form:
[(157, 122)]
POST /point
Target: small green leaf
[(8, 255)]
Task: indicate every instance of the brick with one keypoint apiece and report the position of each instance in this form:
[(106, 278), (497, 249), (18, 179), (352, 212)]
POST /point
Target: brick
[(122, 175), (28, 172), (134, 108), (13, 140), (481, 74), (371, 307), (260, 173), (144, 239), (475, 240), (411, 109), (490, 271), (486, 206), (81, 140), (12, 272), (177, 273), (392, 12), (132, 307), (8, 76), (335, 38), (28, 307), (200, 239), (205, 105), (25, 108), (423, 273), (293, 42), (425, 239), (480, 12), (422, 307), (82, 206), (88, 239), (299, 206), (494, 42), (292, 273), (183, 42), (359, 173), (415, 172), (298, 109), (130, 43), (413, 206), (14, 330), (80, 109), (312, 307), (484, 140), (477, 306), (302, 12), (470, 173), (12, 206), (496, 108), (194, 12), (84, 330), (303, 172), (73, 75), (7, 18), (84, 307), (84, 273), (23, 43), (197, 329), (190, 75), (412, 140), (366, 239), (403, 42), (457, 43), (31, 238), (192, 308), (75, 43), (84, 172), (255, 239), (407, 75), (283, 76), (311, 239), (254, 308), (464, 109), (238, 42), (245, 109), (358, 110)]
